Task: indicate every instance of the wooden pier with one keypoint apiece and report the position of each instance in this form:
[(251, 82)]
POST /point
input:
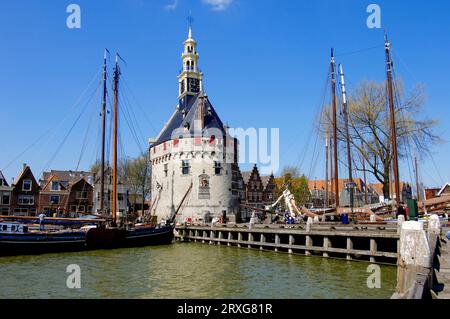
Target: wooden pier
[(375, 243)]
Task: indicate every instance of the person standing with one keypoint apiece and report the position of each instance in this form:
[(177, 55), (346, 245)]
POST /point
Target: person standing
[(41, 222), (401, 210)]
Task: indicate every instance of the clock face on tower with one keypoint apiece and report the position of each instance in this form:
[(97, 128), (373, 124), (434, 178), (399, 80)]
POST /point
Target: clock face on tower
[(194, 85)]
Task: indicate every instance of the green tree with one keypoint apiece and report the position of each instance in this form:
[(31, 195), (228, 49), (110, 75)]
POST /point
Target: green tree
[(296, 183)]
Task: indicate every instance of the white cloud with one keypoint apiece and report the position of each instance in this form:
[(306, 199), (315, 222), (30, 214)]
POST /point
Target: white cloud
[(218, 5), (172, 6)]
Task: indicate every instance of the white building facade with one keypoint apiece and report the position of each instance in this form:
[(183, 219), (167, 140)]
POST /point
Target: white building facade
[(193, 158)]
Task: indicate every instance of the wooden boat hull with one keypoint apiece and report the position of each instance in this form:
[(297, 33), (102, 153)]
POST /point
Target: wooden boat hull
[(41, 243)]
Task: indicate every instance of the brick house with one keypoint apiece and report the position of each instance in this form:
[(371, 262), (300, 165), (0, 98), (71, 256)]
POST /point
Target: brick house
[(362, 192), (444, 191), (66, 194), (259, 191), (25, 194), (5, 196)]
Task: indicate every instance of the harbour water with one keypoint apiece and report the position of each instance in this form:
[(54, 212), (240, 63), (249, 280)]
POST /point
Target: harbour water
[(189, 271)]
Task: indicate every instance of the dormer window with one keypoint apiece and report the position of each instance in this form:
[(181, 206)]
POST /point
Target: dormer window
[(26, 186), (56, 186)]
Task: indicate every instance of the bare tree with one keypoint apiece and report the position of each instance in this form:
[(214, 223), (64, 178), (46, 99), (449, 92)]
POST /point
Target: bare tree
[(138, 176), (370, 133)]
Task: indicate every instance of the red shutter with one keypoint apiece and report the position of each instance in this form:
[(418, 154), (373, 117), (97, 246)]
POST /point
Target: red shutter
[(198, 141), (175, 143)]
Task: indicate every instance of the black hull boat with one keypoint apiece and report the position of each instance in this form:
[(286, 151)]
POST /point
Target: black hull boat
[(15, 239), (107, 238)]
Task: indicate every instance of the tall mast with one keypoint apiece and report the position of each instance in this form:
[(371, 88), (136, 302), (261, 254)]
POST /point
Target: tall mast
[(102, 174), (326, 203), (347, 136), (114, 181), (333, 91), (392, 121), (417, 177), (330, 156), (365, 180)]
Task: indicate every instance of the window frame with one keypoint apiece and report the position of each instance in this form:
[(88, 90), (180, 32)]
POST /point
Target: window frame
[(52, 202), (23, 185)]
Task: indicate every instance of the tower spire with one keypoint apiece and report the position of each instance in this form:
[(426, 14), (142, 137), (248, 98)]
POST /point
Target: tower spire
[(190, 79)]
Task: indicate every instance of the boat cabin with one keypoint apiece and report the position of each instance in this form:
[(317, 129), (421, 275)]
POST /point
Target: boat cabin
[(13, 228)]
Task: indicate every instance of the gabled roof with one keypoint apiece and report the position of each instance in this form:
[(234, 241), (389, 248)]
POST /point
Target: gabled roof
[(188, 115), (246, 176), (2, 177), (25, 169), (447, 185), (82, 179), (51, 179), (266, 179), (67, 176)]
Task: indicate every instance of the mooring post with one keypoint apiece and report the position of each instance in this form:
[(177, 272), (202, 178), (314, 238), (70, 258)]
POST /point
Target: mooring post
[(309, 224), (211, 237), (229, 238), (205, 235), (219, 242), (373, 249), (239, 239), (262, 239), (349, 248), (196, 235), (326, 245), (291, 243), (250, 239), (277, 241), (308, 243)]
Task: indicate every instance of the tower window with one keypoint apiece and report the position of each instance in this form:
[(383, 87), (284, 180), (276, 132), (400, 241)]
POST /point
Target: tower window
[(217, 168), (185, 167)]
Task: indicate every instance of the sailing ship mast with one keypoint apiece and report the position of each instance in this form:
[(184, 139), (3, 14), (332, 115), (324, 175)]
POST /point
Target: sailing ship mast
[(347, 137), (326, 203), (417, 177), (102, 174), (333, 91), (392, 121), (114, 172)]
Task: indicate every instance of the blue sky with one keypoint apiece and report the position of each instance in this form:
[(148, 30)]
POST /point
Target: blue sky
[(265, 65)]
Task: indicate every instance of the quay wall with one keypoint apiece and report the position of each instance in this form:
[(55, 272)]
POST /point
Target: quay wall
[(374, 243)]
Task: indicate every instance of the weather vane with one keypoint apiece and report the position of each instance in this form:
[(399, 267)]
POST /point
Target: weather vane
[(190, 19)]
